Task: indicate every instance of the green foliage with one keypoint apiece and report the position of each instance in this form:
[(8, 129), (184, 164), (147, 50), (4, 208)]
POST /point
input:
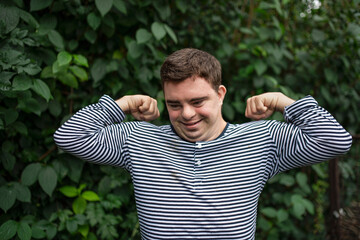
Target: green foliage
[(58, 56)]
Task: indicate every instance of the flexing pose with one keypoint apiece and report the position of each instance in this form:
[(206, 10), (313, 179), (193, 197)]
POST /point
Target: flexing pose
[(201, 177)]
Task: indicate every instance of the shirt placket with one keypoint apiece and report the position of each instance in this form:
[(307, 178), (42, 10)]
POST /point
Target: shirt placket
[(198, 178)]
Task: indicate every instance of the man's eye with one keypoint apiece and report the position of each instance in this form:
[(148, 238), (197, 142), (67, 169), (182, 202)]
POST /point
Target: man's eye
[(174, 106), (197, 103)]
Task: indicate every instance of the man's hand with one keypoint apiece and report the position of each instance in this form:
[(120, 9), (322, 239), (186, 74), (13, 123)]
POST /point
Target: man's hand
[(141, 107), (263, 106)]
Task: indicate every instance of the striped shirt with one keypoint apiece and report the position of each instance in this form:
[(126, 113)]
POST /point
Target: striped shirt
[(202, 190)]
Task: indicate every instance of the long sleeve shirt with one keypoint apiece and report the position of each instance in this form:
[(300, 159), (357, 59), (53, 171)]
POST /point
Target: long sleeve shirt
[(202, 190)]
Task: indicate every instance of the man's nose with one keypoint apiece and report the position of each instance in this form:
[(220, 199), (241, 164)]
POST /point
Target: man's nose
[(188, 112)]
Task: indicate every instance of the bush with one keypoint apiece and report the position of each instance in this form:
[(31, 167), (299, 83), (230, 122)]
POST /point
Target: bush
[(58, 56)]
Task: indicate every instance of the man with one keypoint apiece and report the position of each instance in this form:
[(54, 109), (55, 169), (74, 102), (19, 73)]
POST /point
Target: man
[(201, 177)]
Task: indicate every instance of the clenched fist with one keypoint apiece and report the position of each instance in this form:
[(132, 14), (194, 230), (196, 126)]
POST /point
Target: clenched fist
[(141, 107), (263, 106)]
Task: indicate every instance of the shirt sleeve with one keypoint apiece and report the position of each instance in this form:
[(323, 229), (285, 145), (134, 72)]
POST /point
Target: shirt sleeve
[(97, 134), (309, 135)]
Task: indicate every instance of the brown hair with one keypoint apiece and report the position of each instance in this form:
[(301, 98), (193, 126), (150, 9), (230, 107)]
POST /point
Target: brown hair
[(190, 62)]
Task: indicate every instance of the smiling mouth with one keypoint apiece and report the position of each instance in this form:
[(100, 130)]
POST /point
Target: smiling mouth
[(192, 124)]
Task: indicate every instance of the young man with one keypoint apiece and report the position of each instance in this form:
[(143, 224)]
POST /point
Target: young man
[(201, 177)]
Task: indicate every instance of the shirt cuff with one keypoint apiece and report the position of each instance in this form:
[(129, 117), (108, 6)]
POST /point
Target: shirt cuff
[(115, 112), (296, 109)]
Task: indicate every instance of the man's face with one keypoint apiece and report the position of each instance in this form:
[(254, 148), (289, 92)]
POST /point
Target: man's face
[(195, 109)]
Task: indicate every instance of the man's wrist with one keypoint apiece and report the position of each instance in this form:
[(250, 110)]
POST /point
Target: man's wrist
[(282, 102), (123, 104)]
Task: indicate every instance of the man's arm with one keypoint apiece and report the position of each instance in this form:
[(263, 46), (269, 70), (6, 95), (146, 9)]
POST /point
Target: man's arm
[(96, 132), (264, 105), (309, 135), (141, 107)]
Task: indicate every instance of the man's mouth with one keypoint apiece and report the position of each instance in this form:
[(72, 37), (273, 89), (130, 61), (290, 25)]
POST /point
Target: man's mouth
[(191, 124)]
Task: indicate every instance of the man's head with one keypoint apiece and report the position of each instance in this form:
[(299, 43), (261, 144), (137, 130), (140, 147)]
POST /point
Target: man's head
[(194, 94), (189, 63)]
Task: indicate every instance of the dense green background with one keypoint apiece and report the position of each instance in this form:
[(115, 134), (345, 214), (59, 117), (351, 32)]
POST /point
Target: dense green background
[(58, 56)]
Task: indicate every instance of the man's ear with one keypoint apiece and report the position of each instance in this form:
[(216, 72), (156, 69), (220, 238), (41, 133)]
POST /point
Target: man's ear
[(221, 93)]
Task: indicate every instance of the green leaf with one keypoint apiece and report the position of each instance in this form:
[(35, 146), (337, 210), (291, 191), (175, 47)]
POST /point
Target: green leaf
[(171, 33), (98, 70), (69, 191), (319, 170), (24, 231), (84, 230), (330, 76), (93, 20), (287, 180), (20, 127), (142, 36), (47, 72), (41, 88), (120, 5), (55, 108), (7, 198), (264, 224), (91, 36), (71, 226), (56, 39), (298, 206), (23, 193), (36, 5), (21, 82), (135, 50), (269, 212), (10, 116), (260, 67), (69, 80), (30, 105), (31, 69), (51, 231), (9, 16), (8, 161), (301, 179), (90, 196), (6, 76), (79, 205), (354, 29), (309, 206), (37, 232), (80, 60), (64, 58), (103, 6), (57, 69), (28, 18), (181, 5), (163, 9), (79, 72), (158, 30), (8, 229), (48, 179), (318, 35), (282, 215), (299, 210), (76, 166)]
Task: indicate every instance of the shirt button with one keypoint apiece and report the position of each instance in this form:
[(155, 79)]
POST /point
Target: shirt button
[(198, 162), (199, 145)]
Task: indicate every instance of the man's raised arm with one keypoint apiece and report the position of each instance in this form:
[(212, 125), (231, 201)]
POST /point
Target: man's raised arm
[(96, 133)]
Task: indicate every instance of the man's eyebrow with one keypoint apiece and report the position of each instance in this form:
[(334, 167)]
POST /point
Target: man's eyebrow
[(172, 101), (191, 100), (199, 99)]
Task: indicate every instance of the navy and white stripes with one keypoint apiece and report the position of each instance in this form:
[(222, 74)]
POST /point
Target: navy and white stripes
[(202, 190)]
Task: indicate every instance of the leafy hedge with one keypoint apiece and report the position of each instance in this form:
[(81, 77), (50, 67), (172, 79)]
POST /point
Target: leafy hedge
[(58, 56)]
